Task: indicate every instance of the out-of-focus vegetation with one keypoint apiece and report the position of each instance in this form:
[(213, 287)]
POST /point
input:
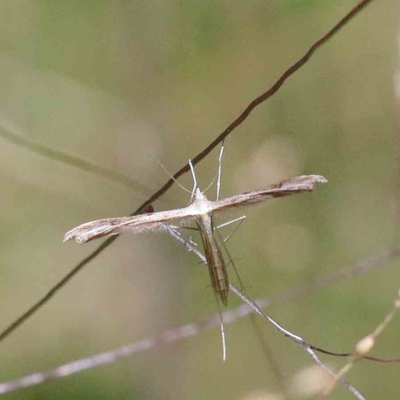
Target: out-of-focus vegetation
[(109, 82)]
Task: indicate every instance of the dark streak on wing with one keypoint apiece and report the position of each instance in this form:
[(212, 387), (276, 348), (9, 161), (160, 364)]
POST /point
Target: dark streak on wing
[(297, 184)]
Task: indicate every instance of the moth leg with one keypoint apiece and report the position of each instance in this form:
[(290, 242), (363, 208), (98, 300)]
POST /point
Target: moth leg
[(223, 241), (240, 220)]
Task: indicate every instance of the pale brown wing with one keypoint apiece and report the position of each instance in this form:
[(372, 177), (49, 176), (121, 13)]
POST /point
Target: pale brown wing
[(297, 184), (113, 226)]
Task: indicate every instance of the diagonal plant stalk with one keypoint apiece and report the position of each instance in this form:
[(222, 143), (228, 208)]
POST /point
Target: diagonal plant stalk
[(199, 157)]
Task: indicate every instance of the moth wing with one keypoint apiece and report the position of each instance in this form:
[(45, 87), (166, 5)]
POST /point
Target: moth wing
[(114, 226), (297, 184)]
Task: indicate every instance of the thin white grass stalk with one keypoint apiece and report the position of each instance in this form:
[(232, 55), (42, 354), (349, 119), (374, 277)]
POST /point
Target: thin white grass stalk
[(189, 245), (365, 345), (169, 336), (192, 329)]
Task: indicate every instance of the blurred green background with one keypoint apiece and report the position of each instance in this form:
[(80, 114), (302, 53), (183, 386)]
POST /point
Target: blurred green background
[(111, 81)]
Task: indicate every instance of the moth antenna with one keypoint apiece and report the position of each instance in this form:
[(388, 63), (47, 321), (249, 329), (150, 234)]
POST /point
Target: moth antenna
[(194, 177), (168, 173), (217, 175), (221, 153)]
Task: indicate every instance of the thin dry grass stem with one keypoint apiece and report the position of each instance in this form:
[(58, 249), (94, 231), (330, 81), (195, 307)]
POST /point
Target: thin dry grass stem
[(269, 356), (105, 358), (365, 345), (200, 156), (298, 340), (188, 330), (191, 248), (341, 274), (193, 329), (17, 139)]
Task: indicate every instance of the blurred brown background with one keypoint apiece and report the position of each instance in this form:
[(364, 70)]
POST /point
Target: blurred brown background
[(111, 81)]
